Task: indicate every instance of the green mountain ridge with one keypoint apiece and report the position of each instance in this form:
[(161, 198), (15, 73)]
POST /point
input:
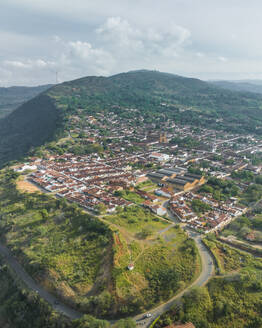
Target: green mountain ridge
[(185, 100), (13, 97)]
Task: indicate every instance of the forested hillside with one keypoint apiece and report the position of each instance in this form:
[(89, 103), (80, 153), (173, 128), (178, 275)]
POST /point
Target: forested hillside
[(13, 97), (30, 125)]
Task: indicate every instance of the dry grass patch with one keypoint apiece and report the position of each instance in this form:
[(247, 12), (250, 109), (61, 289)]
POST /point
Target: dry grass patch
[(25, 186)]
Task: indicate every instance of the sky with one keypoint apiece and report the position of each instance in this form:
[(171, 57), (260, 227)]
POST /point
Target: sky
[(206, 39)]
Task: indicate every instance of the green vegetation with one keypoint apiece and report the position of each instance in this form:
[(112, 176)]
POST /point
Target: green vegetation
[(229, 259), (146, 186), (31, 125), (247, 176), (12, 97), (188, 101), (250, 86), (252, 194), (135, 218), (130, 196), (244, 175), (165, 261), (200, 207), (243, 226), (57, 243), (22, 308), (220, 189), (231, 301), (187, 142), (85, 260), (79, 149), (256, 159)]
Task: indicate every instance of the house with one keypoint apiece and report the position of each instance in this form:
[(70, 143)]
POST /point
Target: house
[(159, 157), (159, 210), (141, 178), (164, 192), (25, 167)]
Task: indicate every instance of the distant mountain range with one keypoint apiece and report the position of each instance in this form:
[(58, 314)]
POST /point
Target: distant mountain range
[(13, 97), (185, 100), (254, 86)]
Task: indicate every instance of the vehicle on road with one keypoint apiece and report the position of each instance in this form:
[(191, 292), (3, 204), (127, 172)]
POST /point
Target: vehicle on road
[(148, 315)]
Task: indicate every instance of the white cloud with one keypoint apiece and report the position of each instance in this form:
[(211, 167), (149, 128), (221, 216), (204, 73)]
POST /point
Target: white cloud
[(97, 61), (28, 64), (222, 59), (192, 38), (118, 33), (200, 54), (118, 46)]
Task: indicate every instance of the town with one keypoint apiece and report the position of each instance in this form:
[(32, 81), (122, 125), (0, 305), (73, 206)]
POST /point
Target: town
[(163, 166)]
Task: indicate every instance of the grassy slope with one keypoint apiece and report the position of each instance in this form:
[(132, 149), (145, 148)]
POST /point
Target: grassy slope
[(21, 308), (57, 243), (233, 300), (227, 258), (78, 258), (164, 261)]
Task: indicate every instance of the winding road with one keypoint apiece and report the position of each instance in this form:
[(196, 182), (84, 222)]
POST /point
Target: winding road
[(207, 272), (31, 284), (141, 319)]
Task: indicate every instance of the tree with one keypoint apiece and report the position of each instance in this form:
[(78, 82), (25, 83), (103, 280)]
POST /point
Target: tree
[(44, 213), (87, 321), (200, 207), (125, 323), (101, 208)]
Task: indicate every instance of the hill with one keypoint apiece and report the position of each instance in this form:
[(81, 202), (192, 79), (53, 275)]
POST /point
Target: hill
[(151, 93), (13, 97), (30, 125), (83, 259), (241, 86)]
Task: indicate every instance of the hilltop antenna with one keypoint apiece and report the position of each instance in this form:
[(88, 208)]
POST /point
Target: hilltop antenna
[(56, 77)]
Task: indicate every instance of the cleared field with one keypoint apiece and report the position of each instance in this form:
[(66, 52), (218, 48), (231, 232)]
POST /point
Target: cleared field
[(25, 186), (137, 220)]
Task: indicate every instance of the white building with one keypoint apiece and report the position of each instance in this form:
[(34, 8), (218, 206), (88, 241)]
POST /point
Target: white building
[(160, 157)]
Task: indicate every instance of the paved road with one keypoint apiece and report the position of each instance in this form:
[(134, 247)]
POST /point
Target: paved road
[(20, 272), (207, 272)]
